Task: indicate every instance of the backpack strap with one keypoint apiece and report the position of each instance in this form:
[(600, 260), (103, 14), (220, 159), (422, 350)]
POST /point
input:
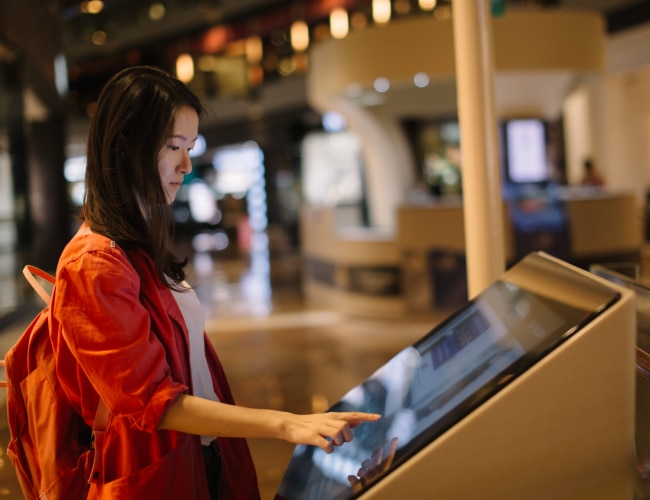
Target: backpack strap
[(30, 273)]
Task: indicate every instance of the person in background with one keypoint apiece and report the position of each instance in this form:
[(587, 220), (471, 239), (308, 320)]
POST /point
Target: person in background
[(591, 177), (127, 329)]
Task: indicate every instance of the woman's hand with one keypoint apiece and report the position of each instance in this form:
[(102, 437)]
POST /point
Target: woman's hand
[(324, 430), (374, 467)]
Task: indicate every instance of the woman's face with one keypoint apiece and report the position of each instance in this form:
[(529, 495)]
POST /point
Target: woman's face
[(174, 159)]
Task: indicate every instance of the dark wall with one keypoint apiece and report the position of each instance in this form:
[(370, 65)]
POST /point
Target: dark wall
[(30, 40)]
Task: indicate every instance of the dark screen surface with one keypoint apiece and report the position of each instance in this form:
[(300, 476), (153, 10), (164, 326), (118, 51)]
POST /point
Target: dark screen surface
[(433, 384)]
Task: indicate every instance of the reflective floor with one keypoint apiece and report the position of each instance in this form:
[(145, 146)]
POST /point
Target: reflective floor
[(277, 351)]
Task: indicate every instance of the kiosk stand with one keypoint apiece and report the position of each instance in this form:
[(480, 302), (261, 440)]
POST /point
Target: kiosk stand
[(526, 392)]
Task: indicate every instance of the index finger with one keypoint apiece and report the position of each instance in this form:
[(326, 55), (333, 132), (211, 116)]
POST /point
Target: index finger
[(355, 418)]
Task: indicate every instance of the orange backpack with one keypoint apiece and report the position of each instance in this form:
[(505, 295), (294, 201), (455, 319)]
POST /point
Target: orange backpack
[(51, 447)]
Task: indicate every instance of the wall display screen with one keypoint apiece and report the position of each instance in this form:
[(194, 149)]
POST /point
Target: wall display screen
[(430, 386), (525, 151), (332, 169)]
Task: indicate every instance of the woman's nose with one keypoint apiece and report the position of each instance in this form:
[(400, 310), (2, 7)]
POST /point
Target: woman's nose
[(186, 164)]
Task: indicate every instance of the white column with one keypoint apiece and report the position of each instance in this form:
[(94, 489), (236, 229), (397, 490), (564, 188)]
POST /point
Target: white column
[(388, 163), (478, 130)]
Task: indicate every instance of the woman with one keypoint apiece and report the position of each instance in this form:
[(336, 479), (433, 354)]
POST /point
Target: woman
[(127, 330)]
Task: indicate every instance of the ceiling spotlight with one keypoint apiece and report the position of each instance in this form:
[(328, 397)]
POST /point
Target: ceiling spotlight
[(381, 11), (381, 84), (339, 23), (421, 80), (185, 68), (98, 37), (427, 4), (92, 7), (156, 11), (299, 36)]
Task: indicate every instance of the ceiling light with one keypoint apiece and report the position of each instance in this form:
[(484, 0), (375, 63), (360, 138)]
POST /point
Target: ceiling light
[(299, 36), (98, 37), (421, 80), (185, 68), (92, 7), (381, 84), (254, 49), (156, 11), (339, 25), (427, 4), (381, 11)]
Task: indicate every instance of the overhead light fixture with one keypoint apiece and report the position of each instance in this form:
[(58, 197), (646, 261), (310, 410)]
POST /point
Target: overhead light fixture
[(381, 11), (92, 7), (254, 49), (421, 80), (185, 68), (299, 36), (339, 24), (427, 5), (98, 37), (381, 84), (156, 11)]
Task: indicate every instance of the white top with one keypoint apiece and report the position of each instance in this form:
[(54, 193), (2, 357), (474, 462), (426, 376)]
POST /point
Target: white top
[(194, 316)]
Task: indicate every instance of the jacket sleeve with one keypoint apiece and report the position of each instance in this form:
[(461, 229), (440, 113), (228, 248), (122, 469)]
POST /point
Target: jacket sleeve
[(108, 331)]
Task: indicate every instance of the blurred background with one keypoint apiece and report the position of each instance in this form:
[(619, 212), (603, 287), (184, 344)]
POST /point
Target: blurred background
[(270, 144)]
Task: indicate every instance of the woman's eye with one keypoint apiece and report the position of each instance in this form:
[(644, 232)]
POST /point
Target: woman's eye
[(174, 148)]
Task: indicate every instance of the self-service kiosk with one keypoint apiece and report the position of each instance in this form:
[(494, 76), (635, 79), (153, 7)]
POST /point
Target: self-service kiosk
[(526, 392)]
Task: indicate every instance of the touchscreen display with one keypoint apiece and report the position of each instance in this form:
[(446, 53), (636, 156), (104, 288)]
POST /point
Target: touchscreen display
[(428, 387)]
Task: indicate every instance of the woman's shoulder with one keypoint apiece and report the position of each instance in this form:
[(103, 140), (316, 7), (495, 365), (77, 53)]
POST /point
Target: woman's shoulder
[(97, 253), (86, 241), (86, 245)]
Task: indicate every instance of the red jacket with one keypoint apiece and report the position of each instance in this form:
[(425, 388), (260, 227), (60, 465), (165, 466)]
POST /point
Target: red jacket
[(117, 331)]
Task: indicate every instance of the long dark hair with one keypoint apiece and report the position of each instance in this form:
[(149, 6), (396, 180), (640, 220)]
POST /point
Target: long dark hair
[(125, 199)]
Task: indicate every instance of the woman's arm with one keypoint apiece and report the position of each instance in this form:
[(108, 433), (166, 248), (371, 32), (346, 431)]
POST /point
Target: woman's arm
[(195, 415)]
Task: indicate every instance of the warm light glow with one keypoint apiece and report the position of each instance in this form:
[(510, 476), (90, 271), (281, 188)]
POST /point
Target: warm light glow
[(358, 20), (92, 7), (427, 4), (339, 25), (301, 61), (206, 64), (98, 37), (255, 75), (185, 68), (156, 11), (215, 39), (381, 11), (402, 6), (287, 66), (299, 36), (254, 49), (321, 31)]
